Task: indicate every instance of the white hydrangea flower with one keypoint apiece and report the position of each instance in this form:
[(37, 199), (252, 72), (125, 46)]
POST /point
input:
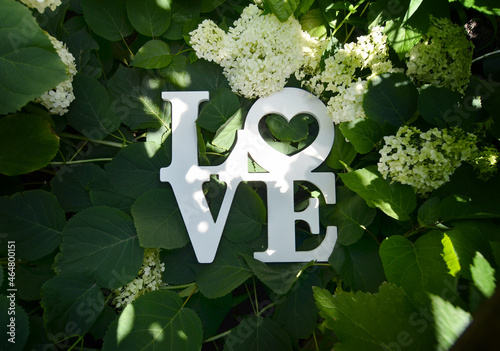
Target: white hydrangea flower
[(58, 99), (149, 279), (443, 57), (41, 5), (425, 160), (369, 52), (258, 54)]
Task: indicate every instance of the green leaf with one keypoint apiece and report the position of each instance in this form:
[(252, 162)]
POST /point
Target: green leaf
[(282, 9), (102, 323), (27, 143), (31, 276), (136, 96), (341, 151), (91, 112), (401, 36), (428, 213), (395, 200), (257, 333), (278, 277), (154, 54), (158, 220), (469, 237), (375, 322), (226, 134), (155, 321), (294, 130), (226, 273), (182, 11), (70, 299), (176, 73), (210, 5), (222, 105), (102, 193), (101, 243), (464, 207), (436, 104), (412, 8), (149, 17), (489, 7), (208, 76), (80, 44), (450, 322), (108, 18), (363, 134), (297, 313), (450, 256), (391, 98), (359, 264), (34, 220), (246, 216), (136, 168), (350, 214), (14, 327), (179, 265), (313, 22), (416, 267), (483, 275), (30, 65), (211, 312), (70, 186)]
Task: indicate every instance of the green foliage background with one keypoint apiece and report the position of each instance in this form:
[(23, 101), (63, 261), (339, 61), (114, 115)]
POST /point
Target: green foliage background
[(82, 196)]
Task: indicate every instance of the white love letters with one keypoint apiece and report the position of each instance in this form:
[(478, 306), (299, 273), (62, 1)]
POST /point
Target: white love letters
[(187, 177)]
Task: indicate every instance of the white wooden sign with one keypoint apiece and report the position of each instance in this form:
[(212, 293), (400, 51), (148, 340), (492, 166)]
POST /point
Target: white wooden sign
[(187, 177)]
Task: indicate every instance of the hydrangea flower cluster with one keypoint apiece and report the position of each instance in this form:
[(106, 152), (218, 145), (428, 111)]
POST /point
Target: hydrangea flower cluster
[(258, 54), (41, 5), (149, 279), (369, 52), (443, 57), (485, 162), (425, 160), (58, 99)]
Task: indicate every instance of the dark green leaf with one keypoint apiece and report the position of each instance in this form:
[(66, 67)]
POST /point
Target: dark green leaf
[(70, 186), (222, 105), (208, 76), (101, 243), (102, 323), (91, 112), (436, 104), (149, 17), (80, 44), (158, 220), (71, 299), (363, 134), (257, 333), (13, 326), (341, 151), (30, 277), (416, 267), (391, 98), (297, 313), (108, 18), (246, 216), (401, 37), (350, 214), (428, 213), (176, 73), (278, 277), (210, 5), (182, 11), (102, 193), (375, 322), (483, 275), (212, 312), (226, 134), (154, 54), (136, 168), (27, 143), (136, 96), (155, 321), (395, 200), (34, 220), (226, 273), (179, 265), (283, 9), (450, 322), (30, 65), (464, 207), (294, 130), (359, 264)]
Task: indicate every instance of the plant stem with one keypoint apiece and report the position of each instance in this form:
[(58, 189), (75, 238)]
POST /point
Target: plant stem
[(76, 342), (175, 287), (347, 17), (55, 163), (219, 336), (486, 55), (103, 142)]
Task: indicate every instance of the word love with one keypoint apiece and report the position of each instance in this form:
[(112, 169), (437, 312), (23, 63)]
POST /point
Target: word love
[(187, 177)]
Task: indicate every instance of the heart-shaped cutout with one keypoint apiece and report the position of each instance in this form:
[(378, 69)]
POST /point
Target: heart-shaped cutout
[(289, 137)]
